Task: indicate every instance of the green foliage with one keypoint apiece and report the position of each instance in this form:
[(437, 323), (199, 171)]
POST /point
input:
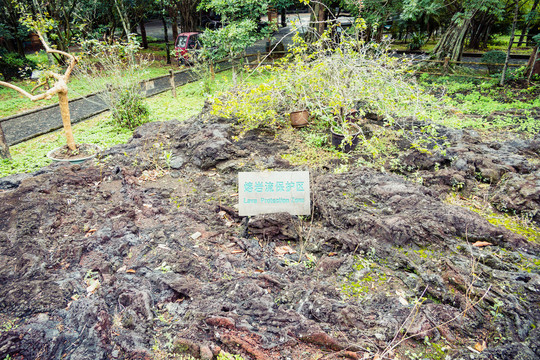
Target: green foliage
[(13, 65), (418, 40), (333, 81), (128, 108), (241, 18), (114, 71), (229, 41), (226, 356), (494, 57), (366, 275), (236, 10)]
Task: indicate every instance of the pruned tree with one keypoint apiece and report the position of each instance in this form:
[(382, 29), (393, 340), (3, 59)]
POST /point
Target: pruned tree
[(59, 88)]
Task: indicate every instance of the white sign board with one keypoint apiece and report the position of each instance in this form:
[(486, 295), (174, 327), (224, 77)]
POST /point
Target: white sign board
[(273, 192)]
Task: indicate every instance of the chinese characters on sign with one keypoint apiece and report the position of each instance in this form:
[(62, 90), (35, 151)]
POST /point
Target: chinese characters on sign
[(272, 192)]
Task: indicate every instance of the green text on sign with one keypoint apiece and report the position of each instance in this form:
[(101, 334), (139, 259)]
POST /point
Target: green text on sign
[(273, 192)]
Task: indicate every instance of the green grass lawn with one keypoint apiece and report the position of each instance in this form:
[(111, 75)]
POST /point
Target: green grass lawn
[(30, 156), (11, 102)]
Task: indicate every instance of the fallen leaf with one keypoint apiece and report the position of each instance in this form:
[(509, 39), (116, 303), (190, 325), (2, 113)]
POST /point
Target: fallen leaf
[(480, 346), (131, 271), (482, 244), (237, 251), (332, 254), (90, 232), (403, 301), (284, 250), (93, 287)]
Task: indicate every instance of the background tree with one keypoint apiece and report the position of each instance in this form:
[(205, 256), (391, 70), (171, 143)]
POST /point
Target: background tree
[(423, 16), (189, 19), (531, 18), (462, 14)]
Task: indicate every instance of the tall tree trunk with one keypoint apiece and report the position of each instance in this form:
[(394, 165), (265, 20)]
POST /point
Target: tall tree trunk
[(313, 30), (173, 14), (533, 66), (525, 29), (123, 16), (143, 34), (283, 17), (4, 148), (188, 15), (165, 30), (480, 27), (66, 119), (451, 43), (321, 19), (510, 43)]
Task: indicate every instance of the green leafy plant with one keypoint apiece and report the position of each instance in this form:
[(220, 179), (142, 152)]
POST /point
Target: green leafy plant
[(494, 57), (226, 356), (15, 66), (114, 71), (418, 40), (339, 83)]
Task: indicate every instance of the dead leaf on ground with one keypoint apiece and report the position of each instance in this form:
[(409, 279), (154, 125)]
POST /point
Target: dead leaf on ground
[(94, 285), (90, 232), (482, 244), (284, 250), (480, 346), (131, 271), (237, 251)]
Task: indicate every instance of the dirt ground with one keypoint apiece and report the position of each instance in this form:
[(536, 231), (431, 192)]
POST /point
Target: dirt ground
[(141, 255)]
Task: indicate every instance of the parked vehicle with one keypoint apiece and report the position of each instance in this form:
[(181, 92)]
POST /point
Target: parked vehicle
[(186, 47)]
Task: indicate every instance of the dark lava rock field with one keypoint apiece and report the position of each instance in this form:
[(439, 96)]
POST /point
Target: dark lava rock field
[(127, 258)]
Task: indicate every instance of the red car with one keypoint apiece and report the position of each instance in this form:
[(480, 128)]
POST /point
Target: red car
[(185, 46)]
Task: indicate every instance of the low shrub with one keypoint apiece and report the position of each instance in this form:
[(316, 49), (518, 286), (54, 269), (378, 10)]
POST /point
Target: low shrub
[(128, 108), (114, 71), (494, 57), (417, 41), (15, 66)]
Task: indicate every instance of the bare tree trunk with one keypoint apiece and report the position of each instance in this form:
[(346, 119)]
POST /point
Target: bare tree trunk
[(173, 14), (143, 34), (321, 16), (165, 31), (188, 15), (66, 119), (511, 42), (533, 66), (4, 148), (313, 30), (123, 19), (451, 43), (526, 24)]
